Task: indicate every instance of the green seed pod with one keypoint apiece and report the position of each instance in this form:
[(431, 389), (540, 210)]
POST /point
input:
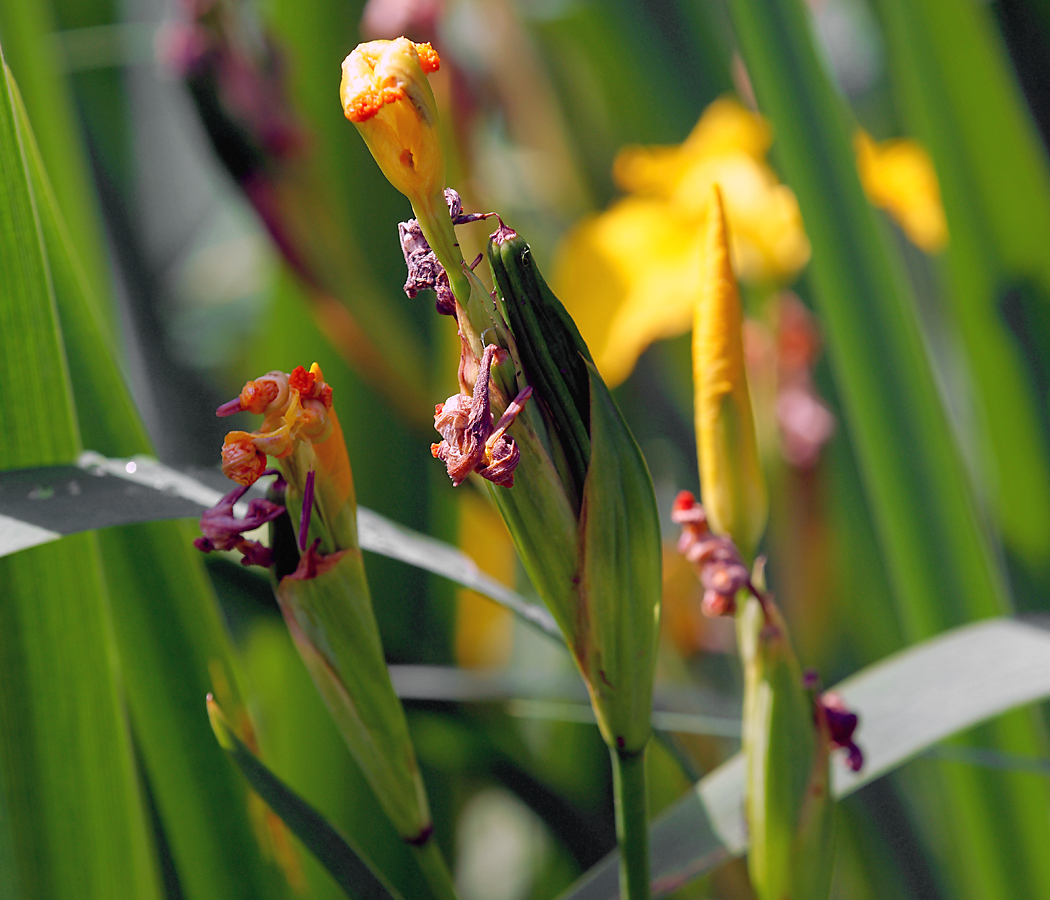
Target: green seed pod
[(327, 607), (552, 352)]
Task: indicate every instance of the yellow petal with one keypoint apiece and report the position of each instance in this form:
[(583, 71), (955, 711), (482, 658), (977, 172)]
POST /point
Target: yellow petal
[(767, 239), (728, 127), (898, 176), (625, 276)]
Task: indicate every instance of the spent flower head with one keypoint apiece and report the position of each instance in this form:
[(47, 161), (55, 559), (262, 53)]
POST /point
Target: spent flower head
[(325, 599)]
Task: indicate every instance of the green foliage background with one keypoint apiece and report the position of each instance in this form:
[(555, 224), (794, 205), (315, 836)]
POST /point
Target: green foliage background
[(138, 290)]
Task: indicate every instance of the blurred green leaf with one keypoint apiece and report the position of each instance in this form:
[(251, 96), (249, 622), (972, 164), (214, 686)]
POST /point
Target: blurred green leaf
[(353, 873), (319, 768), (953, 80), (75, 822), (934, 542), (170, 638), (27, 30), (906, 704)]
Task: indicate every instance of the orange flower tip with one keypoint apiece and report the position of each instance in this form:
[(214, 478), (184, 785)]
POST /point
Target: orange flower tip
[(302, 381), (367, 104), (683, 502), (429, 61), (310, 384)]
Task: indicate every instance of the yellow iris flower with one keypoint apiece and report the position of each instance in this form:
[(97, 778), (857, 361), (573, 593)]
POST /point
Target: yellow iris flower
[(628, 275)]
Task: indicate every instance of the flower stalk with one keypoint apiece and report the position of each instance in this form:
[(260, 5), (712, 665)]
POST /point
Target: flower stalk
[(787, 728), (536, 421)]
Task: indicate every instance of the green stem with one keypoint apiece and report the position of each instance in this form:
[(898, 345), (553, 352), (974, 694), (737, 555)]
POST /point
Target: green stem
[(436, 872), (436, 224), (632, 823)]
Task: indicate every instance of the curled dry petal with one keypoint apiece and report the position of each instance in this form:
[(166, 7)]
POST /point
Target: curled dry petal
[(470, 441), (295, 406), (841, 724), (222, 530)]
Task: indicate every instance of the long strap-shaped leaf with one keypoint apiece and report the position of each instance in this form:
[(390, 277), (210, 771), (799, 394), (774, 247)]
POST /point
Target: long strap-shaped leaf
[(70, 802), (952, 79), (41, 505), (352, 872), (170, 637), (906, 704)]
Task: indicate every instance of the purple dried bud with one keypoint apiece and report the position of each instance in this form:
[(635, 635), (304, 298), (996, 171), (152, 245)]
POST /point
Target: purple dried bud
[(841, 725), (425, 272)]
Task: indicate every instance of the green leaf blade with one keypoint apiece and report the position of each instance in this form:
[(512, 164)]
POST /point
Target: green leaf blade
[(350, 870), (76, 826)]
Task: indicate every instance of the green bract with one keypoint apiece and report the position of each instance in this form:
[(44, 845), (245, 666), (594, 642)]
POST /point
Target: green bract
[(789, 809), (329, 614)]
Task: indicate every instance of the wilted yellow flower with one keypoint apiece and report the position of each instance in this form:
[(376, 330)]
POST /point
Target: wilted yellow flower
[(627, 275), (731, 480), (898, 176), (385, 93)]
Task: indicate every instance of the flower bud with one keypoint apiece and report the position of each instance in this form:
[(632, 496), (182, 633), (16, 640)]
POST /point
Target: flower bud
[(580, 471), (385, 93), (731, 479)]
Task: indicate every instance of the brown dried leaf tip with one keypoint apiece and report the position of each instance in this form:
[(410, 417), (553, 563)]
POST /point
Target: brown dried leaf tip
[(471, 442), (721, 570)]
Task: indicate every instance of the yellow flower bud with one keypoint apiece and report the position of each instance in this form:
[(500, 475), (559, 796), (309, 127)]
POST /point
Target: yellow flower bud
[(385, 93), (731, 481)]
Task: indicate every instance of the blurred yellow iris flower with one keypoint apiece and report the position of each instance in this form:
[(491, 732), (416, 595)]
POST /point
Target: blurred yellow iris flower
[(628, 275)]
